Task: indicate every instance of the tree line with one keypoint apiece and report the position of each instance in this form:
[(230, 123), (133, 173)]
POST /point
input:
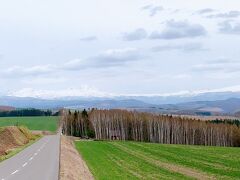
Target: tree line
[(28, 112), (139, 126), (226, 121)]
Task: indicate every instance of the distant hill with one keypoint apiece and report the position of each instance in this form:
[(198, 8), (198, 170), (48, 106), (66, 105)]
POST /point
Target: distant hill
[(176, 99), (206, 104), (20, 102), (228, 106), (6, 108)]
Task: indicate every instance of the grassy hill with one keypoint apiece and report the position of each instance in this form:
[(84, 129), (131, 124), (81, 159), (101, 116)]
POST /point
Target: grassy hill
[(135, 160), (45, 123)]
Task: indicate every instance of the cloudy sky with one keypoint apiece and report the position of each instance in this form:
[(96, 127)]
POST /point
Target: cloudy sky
[(112, 47)]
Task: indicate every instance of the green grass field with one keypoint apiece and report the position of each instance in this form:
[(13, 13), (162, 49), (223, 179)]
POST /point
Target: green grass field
[(135, 160), (33, 123)]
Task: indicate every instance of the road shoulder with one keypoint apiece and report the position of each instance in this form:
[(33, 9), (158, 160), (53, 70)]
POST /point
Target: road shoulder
[(72, 166)]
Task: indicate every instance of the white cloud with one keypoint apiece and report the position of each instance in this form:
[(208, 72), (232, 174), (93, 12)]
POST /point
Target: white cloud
[(138, 34), (229, 27), (114, 57), (187, 47), (46, 81), (89, 38), (28, 71), (182, 76), (74, 64), (179, 29), (223, 65), (1, 55), (105, 59), (152, 9), (205, 11), (230, 14)]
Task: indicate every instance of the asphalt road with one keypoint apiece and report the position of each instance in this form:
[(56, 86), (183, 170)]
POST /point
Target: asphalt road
[(39, 161)]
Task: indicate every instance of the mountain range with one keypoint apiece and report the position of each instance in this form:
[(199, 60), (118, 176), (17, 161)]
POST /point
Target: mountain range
[(214, 103)]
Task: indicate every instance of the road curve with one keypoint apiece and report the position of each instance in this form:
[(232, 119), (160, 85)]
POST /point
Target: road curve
[(39, 161)]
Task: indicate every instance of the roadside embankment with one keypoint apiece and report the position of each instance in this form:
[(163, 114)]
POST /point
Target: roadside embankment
[(12, 138)]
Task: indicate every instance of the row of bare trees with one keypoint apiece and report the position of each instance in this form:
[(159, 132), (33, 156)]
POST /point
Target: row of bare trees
[(136, 126)]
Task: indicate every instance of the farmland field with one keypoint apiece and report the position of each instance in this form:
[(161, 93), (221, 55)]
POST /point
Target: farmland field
[(136, 160), (47, 123)]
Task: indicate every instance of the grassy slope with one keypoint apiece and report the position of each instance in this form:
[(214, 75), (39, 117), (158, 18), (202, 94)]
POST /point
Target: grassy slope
[(134, 160), (17, 150), (33, 123), (31, 137)]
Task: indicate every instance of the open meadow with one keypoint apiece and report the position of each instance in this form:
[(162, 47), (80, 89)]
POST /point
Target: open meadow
[(43, 123), (137, 160)]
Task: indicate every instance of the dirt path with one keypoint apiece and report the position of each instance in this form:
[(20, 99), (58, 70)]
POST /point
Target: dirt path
[(72, 166), (171, 167)]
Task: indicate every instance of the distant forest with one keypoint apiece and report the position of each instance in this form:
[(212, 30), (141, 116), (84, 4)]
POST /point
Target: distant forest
[(137, 126), (226, 121), (28, 112)]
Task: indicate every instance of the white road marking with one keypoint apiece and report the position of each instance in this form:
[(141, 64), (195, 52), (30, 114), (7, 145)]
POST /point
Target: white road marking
[(15, 172), (24, 164), (35, 154)]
